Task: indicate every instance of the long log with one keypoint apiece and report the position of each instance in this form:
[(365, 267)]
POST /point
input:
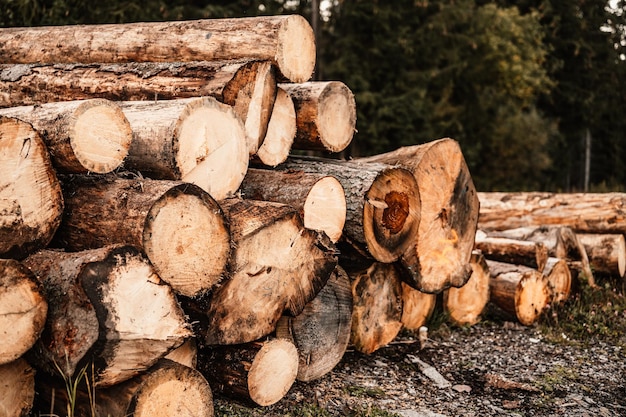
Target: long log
[(321, 332), (319, 198), (82, 136), (17, 388), (417, 307), (377, 307), (287, 41), (31, 202), (277, 267), (559, 277), (111, 311), (325, 115), (23, 310), (521, 291), (513, 251), (258, 373), (606, 253), (382, 205), (466, 304), (281, 131), (448, 211), (179, 226), (198, 140)]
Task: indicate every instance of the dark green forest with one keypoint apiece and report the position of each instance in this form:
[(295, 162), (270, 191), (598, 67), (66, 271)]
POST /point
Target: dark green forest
[(533, 90)]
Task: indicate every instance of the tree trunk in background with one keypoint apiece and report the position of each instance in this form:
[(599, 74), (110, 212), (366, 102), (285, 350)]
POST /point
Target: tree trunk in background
[(559, 279), (17, 388), (111, 310), (448, 212), (180, 227), (255, 373), (606, 253), (377, 307), (281, 132), (277, 267), (518, 290), (325, 115), (417, 307), (81, 136), (197, 140), (318, 197), (31, 202), (466, 304), (321, 332), (513, 251), (287, 41), (23, 310)]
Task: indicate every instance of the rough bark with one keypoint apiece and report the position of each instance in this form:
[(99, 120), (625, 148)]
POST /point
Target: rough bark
[(321, 332), (277, 267), (521, 291), (258, 373), (448, 211), (466, 304), (377, 307), (111, 311), (382, 205), (513, 251), (606, 253), (325, 115), (31, 202), (23, 310), (17, 388), (198, 140), (180, 227), (559, 277), (281, 131), (287, 41), (417, 307), (81, 136), (319, 198)]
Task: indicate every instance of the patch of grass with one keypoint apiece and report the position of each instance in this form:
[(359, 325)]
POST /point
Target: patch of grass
[(359, 391), (556, 378)]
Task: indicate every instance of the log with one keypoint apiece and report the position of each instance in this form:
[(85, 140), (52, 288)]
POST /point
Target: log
[(23, 310), (17, 388), (31, 202), (417, 307), (377, 307), (465, 305), (277, 267), (81, 136), (382, 205), (258, 373), (166, 389), (186, 354), (521, 291), (319, 198), (582, 212), (111, 312), (180, 227), (513, 251), (606, 253), (321, 333), (448, 212), (287, 41), (559, 277), (281, 132), (325, 115), (198, 140)]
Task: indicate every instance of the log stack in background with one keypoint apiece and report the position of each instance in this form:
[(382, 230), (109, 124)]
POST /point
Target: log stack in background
[(155, 196)]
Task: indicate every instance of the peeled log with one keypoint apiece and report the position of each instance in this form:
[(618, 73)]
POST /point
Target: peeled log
[(287, 41), (377, 307), (321, 332), (448, 212), (277, 267), (559, 279), (256, 373), (23, 310), (520, 291), (513, 251), (281, 131), (417, 307), (81, 136), (318, 197), (466, 304), (179, 226), (111, 310), (197, 140), (606, 253), (17, 388), (325, 115)]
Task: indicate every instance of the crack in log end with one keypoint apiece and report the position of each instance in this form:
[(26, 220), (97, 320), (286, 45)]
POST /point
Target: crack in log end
[(397, 211)]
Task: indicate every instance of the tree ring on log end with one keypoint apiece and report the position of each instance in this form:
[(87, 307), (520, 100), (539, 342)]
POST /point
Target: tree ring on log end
[(296, 54), (531, 297), (325, 208), (336, 116), (273, 371)]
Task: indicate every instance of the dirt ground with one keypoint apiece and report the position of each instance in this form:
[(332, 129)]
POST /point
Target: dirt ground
[(495, 368)]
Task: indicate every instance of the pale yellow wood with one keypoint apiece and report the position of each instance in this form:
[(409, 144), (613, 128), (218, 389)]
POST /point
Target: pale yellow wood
[(273, 371), (466, 304), (17, 388), (417, 307), (281, 131)]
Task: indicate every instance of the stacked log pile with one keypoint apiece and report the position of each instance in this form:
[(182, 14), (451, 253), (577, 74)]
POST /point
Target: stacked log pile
[(162, 233)]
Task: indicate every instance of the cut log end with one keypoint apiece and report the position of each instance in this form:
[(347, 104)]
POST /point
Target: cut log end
[(17, 388), (325, 208), (273, 372), (417, 307), (466, 304), (336, 117), (559, 276), (296, 55), (281, 131)]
